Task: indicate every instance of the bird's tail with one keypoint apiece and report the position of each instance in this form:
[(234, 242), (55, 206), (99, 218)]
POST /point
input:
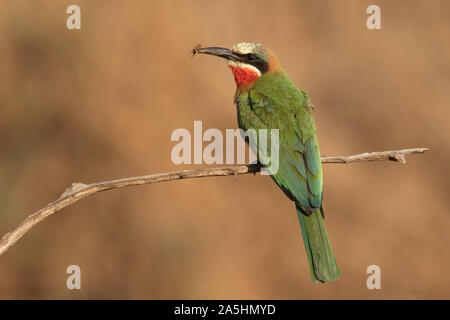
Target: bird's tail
[(321, 259)]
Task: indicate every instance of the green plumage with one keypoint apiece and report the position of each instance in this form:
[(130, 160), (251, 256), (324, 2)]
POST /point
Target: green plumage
[(274, 102)]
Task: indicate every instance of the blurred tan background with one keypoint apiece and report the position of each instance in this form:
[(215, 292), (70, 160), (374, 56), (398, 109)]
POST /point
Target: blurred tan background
[(101, 103)]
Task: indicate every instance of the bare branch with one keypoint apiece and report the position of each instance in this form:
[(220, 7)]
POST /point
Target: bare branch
[(398, 155), (78, 191)]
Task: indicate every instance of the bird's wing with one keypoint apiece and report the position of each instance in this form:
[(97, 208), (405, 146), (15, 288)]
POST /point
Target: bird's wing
[(300, 174), (300, 169)]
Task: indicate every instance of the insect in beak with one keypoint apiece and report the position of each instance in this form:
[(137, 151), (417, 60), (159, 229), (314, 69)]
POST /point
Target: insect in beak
[(195, 50)]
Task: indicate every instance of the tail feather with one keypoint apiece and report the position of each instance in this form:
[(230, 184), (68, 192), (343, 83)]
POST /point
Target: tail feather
[(322, 263)]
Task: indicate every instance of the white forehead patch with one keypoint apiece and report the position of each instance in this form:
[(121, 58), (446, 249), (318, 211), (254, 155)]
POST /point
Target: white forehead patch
[(245, 47)]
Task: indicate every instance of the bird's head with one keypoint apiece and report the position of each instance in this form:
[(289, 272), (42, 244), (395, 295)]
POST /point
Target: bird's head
[(248, 61)]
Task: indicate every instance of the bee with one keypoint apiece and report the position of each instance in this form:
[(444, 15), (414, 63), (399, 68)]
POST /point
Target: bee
[(195, 50)]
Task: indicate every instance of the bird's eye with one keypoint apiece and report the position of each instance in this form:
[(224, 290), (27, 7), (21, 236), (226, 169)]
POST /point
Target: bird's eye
[(251, 56)]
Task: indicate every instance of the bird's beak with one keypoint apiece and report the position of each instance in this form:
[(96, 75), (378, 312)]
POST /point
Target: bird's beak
[(219, 52)]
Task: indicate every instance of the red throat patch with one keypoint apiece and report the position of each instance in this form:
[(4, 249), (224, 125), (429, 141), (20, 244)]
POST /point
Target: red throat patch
[(244, 76)]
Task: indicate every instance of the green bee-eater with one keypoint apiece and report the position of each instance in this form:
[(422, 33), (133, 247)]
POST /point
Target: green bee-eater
[(267, 99)]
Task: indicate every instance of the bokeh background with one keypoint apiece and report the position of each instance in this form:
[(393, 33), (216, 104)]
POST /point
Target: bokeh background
[(101, 103)]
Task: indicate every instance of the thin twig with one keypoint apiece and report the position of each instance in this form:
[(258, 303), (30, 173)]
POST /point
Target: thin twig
[(78, 191)]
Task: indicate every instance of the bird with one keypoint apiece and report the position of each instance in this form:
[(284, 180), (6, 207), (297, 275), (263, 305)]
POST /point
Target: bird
[(267, 99)]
